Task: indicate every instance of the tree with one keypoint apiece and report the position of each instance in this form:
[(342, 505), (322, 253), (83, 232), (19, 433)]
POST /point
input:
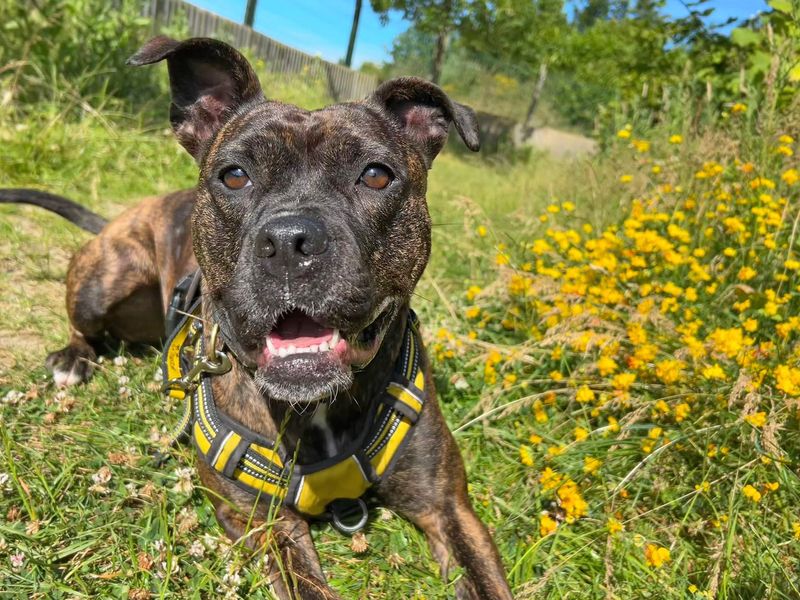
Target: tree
[(591, 11), (526, 36), (250, 13), (438, 17), (348, 59)]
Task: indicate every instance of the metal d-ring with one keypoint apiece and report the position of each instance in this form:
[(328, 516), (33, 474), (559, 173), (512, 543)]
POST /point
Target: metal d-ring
[(347, 509)]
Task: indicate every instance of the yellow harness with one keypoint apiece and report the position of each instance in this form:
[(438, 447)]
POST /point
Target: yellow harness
[(261, 466)]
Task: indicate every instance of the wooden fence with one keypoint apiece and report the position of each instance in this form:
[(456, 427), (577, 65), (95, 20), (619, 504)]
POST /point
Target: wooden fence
[(343, 84)]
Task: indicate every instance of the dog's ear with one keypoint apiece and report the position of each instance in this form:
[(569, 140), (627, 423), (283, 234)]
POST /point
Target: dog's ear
[(209, 80), (425, 112)]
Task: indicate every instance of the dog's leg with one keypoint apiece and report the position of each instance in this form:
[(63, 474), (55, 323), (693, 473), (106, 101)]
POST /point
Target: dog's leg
[(102, 275), (458, 538), (429, 487), (295, 573)]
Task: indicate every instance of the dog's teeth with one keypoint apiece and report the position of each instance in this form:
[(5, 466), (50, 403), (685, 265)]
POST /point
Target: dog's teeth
[(283, 352), (312, 348), (323, 347), (291, 349), (334, 339), (271, 347)]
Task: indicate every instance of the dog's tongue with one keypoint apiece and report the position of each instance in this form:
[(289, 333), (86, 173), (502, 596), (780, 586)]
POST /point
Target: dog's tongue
[(300, 331)]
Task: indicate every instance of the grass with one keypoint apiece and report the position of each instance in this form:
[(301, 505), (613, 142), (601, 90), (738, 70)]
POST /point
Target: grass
[(88, 514)]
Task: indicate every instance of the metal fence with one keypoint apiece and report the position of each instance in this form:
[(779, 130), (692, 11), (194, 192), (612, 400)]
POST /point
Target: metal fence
[(343, 84)]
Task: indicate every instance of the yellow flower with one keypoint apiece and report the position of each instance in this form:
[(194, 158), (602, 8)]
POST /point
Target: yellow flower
[(751, 493), (786, 139), (790, 177), (473, 312), (606, 366), (481, 231), (549, 479), (682, 411), (623, 381), (547, 525), (771, 486), (669, 371), (704, 487), (613, 425), (556, 450), (762, 182), (591, 464), (796, 530), (625, 178), (729, 341), (746, 274), (501, 259), (656, 556), (738, 108), (526, 455), (787, 380), (580, 434), (614, 526), (535, 439), (714, 372), (623, 134), (758, 419), (539, 413), (676, 139), (472, 291), (572, 503), (584, 394)]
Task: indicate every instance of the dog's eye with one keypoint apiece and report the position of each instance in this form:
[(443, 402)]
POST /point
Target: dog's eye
[(235, 178), (376, 177)]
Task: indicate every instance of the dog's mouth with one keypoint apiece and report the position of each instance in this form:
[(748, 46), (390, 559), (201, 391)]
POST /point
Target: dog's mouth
[(305, 359), (298, 333)]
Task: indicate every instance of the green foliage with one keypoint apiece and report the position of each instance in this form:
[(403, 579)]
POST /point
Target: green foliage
[(75, 49), (430, 16)]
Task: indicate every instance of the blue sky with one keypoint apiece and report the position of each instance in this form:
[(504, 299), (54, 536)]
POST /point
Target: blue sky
[(322, 27)]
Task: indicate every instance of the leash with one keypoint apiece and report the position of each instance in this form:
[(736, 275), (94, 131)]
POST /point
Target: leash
[(331, 489)]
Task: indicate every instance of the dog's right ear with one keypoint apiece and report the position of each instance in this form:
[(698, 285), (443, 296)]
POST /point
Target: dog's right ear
[(209, 80)]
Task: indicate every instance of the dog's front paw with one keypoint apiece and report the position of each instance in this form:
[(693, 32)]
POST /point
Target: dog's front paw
[(71, 365)]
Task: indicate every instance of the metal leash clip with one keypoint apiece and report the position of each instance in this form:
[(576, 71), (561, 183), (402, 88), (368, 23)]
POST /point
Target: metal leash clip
[(213, 362)]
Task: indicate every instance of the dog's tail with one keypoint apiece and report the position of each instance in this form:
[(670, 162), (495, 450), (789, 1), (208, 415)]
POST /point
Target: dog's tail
[(71, 211)]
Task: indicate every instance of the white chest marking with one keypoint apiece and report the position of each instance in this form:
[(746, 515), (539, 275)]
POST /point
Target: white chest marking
[(320, 421)]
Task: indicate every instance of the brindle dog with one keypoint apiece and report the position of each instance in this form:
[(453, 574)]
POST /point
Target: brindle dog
[(304, 223)]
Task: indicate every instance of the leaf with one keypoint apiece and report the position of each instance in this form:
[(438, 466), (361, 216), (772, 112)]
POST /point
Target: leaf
[(784, 6), (742, 36)]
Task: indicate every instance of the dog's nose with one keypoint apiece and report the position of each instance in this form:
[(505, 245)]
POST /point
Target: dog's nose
[(291, 241)]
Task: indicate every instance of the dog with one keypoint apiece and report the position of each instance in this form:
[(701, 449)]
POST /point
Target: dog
[(310, 230)]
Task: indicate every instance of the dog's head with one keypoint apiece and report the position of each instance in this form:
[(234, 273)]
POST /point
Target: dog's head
[(311, 227)]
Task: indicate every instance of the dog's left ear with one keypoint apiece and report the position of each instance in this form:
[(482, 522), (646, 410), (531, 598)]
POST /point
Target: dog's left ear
[(208, 79), (425, 112)]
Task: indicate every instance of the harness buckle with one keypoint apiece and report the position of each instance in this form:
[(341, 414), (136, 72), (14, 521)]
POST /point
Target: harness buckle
[(213, 362), (349, 516)]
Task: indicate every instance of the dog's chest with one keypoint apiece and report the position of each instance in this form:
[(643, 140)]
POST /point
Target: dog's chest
[(322, 433)]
